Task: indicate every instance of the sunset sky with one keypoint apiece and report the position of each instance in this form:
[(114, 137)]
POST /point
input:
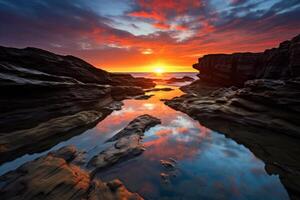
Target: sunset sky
[(141, 35)]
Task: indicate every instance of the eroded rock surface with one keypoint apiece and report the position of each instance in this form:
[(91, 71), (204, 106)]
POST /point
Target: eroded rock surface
[(137, 126), (54, 176), (128, 143), (234, 69), (47, 98), (263, 114)]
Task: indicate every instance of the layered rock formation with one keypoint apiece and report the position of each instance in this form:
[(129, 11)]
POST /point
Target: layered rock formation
[(37, 64), (61, 175), (55, 176), (234, 69), (263, 114), (47, 98)]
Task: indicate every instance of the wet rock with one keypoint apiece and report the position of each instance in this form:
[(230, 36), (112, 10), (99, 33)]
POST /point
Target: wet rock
[(128, 80), (159, 89), (123, 92), (170, 169), (47, 98), (183, 79), (46, 134), (110, 191), (165, 177), (68, 153), (143, 97), (128, 143), (137, 126), (263, 114), (125, 148), (170, 165), (53, 177)]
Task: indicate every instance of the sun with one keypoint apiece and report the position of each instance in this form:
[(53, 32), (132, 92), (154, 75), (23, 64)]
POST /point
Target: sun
[(159, 70)]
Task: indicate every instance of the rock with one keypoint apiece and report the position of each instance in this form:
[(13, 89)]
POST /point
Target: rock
[(128, 143), (159, 89), (110, 191), (170, 165), (53, 177), (183, 79), (137, 126), (262, 114), (124, 92), (38, 64), (143, 97), (68, 153), (165, 177), (129, 80), (267, 104), (170, 169), (235, 69), (46, 134), (47, 98), (125, 148)]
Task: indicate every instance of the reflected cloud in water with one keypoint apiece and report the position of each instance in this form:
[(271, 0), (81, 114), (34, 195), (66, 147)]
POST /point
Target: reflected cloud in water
[(209, 165)]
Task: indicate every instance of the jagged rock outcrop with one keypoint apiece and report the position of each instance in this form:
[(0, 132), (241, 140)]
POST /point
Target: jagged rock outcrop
[(128, 143), (55, 176), (47, 98), (234, 69), (263, 114)]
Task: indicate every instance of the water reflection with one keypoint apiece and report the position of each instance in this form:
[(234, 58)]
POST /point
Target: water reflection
[(209, 166)]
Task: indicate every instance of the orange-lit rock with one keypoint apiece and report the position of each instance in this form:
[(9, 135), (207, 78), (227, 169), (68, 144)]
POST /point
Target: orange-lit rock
[(52, 177)]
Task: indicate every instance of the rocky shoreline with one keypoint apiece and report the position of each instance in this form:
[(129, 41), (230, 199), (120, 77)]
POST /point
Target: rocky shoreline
[(253, 98), (64, 174), (55, 176), (47, 98)]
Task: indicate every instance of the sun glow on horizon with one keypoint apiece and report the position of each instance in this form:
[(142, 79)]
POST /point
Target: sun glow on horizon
[(159, 70)]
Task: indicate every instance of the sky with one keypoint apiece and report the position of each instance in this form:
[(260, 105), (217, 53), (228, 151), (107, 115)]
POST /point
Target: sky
[(144, 35)]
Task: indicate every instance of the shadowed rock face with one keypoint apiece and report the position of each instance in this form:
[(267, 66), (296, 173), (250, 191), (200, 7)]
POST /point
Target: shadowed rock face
[(234, 69), (55, 176), (47, 98), (34, 63), (263, 115), (128, 143)]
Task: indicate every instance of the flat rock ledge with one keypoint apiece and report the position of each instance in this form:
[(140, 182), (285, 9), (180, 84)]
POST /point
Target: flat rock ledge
[(55, 176), (128, 143)]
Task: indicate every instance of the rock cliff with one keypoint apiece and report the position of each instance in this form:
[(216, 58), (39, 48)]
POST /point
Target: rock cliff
[(234, 69)]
